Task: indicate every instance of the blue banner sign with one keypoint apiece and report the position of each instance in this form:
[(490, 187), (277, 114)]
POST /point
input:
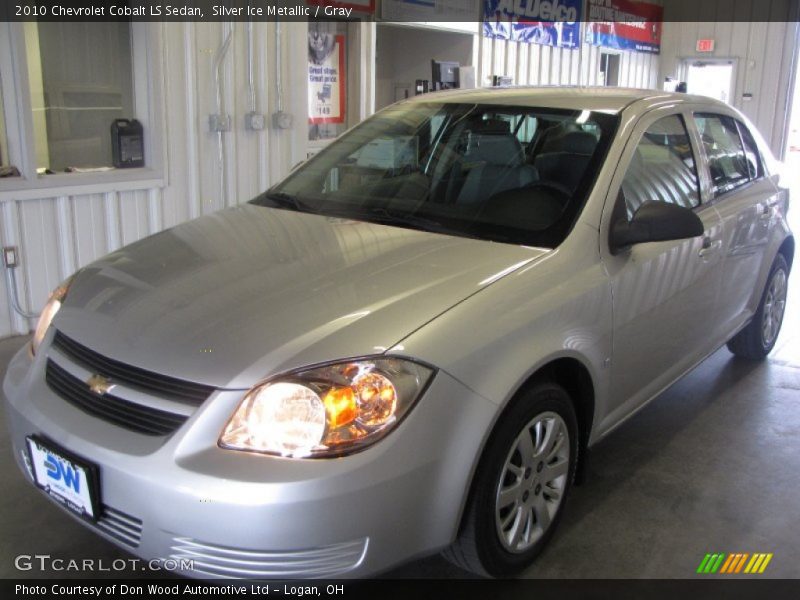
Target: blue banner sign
[(549, 22)]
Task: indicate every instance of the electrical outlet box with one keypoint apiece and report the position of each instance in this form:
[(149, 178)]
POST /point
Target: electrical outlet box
[(217, 123), (10, 259), (282, 120), (254, 121)]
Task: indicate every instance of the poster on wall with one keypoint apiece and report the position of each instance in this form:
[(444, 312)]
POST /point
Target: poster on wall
[(326, 85), (548, 22), (624, 25)]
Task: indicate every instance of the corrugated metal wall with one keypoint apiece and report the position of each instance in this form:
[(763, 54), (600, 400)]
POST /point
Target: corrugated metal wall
[(60, 232), (534, 64), (763, 41)]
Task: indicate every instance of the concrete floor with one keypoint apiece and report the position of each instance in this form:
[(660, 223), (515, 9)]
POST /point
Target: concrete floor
[(712, 465)]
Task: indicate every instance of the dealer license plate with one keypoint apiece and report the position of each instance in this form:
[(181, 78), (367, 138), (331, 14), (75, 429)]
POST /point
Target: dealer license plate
[(68, 479)]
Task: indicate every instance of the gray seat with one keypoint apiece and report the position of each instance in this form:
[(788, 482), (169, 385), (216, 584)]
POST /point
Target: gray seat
[(492, 164), (566, 159)]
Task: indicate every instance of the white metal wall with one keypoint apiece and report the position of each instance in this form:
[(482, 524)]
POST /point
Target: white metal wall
[(61, 231), (763, 41), (534, 64)]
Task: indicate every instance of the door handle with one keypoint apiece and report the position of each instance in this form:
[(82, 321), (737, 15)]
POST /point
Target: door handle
[(766, 212), (709, 246)]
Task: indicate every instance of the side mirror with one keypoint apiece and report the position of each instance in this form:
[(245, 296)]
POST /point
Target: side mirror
[(655, 222)]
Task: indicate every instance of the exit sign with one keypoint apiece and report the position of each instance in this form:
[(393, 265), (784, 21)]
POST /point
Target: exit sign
[(705, 45)]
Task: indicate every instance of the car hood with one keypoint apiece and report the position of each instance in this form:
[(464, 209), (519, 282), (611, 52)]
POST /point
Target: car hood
[(230, 298)]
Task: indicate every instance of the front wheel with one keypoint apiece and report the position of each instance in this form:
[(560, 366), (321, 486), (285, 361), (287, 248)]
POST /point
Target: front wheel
[(757, 339), (521, 484)]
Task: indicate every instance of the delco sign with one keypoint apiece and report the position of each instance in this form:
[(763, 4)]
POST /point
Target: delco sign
[(544, 10), (547, 22)]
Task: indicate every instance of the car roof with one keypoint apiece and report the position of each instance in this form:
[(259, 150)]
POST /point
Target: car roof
[(609, 99)]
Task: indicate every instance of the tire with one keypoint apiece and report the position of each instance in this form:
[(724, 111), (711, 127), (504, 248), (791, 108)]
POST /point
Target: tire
[(757, 339), (501, 535)]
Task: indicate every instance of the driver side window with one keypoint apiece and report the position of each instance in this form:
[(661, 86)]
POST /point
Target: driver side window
[(662, 168)]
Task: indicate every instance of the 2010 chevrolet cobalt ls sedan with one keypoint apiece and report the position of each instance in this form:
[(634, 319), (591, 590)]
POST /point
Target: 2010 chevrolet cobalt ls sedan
[(409, 344)]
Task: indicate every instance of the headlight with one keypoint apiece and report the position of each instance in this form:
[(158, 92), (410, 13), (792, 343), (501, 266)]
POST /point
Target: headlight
[(48, 312), (326, 411)]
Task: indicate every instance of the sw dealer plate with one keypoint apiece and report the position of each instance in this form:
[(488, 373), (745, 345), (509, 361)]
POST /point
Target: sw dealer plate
[(68, 479)]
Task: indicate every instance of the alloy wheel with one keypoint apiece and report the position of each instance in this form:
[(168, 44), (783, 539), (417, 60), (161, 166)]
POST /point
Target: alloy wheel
[(774, 306), (532, 482)]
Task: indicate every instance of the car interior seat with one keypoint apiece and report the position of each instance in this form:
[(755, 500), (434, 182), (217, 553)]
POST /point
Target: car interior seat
[(494, 161), (564, 159)]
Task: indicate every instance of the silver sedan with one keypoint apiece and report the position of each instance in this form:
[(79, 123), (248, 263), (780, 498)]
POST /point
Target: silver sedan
[(409, 345)]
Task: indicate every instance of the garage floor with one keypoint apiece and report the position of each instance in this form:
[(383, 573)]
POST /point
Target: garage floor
[(712, 465)]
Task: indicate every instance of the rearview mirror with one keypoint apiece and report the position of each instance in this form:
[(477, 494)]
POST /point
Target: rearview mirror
[(655, 222)]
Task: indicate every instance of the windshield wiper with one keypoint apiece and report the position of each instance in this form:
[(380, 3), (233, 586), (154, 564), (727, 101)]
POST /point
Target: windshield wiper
[(378, 214), (286, 200)]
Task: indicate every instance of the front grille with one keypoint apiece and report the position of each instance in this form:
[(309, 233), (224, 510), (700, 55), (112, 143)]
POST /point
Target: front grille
[(122, 527), (136, 417), (146, 381)]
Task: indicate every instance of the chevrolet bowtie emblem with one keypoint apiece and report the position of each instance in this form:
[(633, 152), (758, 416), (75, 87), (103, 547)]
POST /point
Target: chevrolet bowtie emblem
[(99, 384)]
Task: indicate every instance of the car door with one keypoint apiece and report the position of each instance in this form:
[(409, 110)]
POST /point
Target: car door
[(745, 201), (664, 293)]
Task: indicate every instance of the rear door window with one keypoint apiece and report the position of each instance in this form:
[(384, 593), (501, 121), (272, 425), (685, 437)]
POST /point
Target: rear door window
[(727, 162)]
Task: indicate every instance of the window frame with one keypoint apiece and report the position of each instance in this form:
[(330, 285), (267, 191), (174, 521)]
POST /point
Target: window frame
[(147, 101), (760, 167), (4, 154)]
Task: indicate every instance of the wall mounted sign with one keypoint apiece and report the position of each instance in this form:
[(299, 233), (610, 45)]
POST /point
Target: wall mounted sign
[(624, 25), (548, 22), (326, 85), (705, 45)]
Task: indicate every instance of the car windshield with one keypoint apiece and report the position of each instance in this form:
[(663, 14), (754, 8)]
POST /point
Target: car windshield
[(508, 174)]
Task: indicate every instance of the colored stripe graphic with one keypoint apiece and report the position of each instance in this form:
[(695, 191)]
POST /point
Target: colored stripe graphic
[(725, 568), (734, 563), (703, 563), (711, 562), (740, 565), (765, 563), (730, 565)]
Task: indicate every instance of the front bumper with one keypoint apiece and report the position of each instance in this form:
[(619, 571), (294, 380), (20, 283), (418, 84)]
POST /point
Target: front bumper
[(237, 514)]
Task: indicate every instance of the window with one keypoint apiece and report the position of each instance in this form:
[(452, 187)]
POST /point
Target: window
[(609, 69), (81, 81), (754, 166), (522, 126), (62, 85), (662, 167), (727, 163), (458, 169)]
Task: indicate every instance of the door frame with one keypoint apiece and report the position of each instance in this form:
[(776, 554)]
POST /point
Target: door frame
[(688, 61)]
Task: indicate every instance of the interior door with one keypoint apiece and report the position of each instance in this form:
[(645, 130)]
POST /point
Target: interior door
[(664, 293), (713, 78)]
